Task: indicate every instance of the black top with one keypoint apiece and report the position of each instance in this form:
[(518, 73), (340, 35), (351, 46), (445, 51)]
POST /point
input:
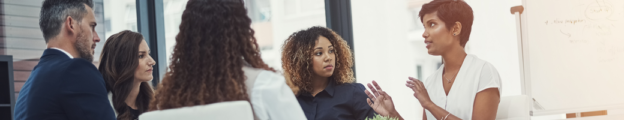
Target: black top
[(337, 102), (61, 88), (135, 113)]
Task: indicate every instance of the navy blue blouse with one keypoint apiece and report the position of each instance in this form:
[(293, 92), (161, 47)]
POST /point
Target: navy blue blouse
[(337, 102)]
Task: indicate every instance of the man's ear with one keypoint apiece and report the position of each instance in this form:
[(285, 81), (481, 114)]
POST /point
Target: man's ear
[(70, 25), (457, 29)]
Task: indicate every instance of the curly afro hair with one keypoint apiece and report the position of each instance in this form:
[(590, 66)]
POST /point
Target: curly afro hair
[(297, 58)]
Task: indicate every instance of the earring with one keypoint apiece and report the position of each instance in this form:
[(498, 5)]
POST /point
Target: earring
[(454, 34)]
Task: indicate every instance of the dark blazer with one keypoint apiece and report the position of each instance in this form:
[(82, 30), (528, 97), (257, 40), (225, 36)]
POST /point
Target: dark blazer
[(60, 88)]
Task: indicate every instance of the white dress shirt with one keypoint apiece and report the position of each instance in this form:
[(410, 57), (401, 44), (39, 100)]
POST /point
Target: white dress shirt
[(66, 53), (474, 76), (270, 97)]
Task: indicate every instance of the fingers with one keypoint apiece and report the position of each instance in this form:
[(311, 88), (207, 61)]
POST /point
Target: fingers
[(409, 82), (377, 86), (369, 94), (368, 100), (386, 95), (372, 89), (381, 96), (415, 83), (410, 85), (419, 84)]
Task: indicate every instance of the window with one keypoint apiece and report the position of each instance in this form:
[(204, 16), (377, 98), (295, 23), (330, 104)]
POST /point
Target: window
[(121, 15), (272, 20)]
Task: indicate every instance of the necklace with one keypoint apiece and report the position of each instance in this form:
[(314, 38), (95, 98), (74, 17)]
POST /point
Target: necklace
[(449, 80)]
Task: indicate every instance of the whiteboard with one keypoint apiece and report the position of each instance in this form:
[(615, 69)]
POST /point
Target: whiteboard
[(573, 54)]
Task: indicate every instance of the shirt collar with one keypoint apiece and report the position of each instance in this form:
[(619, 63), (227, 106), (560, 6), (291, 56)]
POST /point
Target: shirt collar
[(66, 53), (329, 90)]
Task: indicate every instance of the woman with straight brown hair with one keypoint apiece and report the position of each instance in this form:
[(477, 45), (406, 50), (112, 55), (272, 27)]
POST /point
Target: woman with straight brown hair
[(126, 66), (216, 59)]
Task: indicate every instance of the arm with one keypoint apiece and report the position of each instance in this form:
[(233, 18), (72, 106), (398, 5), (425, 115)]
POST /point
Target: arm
[(84, 95), (486, 104), (487, 98)]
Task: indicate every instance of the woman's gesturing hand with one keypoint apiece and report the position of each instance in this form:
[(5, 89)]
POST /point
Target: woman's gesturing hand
[(420, 92), (381, 102)]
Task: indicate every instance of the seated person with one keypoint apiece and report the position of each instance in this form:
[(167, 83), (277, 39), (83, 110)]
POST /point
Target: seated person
[(216, 59), (65, 85), (126, 65), (317, 63)]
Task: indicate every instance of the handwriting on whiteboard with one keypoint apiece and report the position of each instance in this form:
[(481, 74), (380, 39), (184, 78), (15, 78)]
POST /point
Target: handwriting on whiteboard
[(569, 21), (590, 19)]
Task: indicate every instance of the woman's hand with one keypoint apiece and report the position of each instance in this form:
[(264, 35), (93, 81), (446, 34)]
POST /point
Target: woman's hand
[(381, 102), (420, 92)]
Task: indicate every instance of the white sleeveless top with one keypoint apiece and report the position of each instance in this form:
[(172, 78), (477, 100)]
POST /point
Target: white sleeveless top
[(475, 75)]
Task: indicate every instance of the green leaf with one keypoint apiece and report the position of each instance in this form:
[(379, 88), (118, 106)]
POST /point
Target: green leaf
[(379, 117)]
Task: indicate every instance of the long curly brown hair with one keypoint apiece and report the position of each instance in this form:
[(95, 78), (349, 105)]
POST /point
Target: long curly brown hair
[(297, 58), (118, 63), (214, 43)]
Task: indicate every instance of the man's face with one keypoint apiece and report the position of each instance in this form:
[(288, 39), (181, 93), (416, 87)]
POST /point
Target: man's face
[(86, 36)]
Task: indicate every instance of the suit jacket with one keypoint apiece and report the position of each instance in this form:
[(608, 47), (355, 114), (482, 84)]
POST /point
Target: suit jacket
[(61, 88)]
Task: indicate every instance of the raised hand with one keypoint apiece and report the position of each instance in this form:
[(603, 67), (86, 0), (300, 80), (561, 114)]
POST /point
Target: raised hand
[(380, 101), (420, 92)]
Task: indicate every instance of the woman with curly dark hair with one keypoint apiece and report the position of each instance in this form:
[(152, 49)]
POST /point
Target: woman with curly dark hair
[(216, 59), (126, 65), (317, 63)]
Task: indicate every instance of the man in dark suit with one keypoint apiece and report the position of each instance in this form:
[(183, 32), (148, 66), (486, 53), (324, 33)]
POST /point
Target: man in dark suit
[(65, 85)]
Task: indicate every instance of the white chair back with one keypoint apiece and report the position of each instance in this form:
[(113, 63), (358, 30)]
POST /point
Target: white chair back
[(230, 110), (513, 108)]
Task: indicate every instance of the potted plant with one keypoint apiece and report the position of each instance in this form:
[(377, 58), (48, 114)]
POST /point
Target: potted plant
[(379, 117)]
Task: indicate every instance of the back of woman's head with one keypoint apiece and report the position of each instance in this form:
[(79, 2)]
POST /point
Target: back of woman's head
[(297, 58), (214, 42), (118, 62)]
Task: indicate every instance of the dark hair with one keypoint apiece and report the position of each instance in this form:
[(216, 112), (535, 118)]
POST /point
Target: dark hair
[(214, 43), (118, 63), (451, 11), (297, 60), (54, 12)]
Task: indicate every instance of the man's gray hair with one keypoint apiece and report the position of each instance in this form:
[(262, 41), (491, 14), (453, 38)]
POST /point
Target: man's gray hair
[(54, 12)]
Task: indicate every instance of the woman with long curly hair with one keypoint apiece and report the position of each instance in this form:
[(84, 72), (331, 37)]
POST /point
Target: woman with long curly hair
[(317, 63), (126, 65), (216, 59)]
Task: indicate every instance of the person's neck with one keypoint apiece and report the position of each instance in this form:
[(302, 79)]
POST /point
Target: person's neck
[(63, 44), (131, 99), (454, 59), (319, 84)]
